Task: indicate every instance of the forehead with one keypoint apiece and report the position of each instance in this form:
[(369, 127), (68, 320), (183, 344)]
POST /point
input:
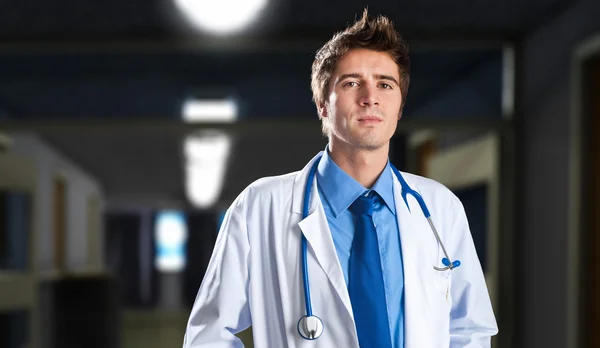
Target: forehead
[(366, 62)]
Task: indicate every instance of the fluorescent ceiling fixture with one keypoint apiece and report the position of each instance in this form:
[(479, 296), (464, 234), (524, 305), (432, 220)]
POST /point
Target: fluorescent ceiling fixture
[(171, 235), (206, 158), (210, 110), (221, 16)]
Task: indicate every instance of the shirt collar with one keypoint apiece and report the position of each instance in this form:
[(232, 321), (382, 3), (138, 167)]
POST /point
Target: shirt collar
[(330, 178), (384, 186)]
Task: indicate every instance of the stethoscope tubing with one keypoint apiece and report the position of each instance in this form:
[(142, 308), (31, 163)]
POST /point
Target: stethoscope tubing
[(406, 190)]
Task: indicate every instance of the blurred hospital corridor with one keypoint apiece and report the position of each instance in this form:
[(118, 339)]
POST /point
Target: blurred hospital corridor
[(128, 128)]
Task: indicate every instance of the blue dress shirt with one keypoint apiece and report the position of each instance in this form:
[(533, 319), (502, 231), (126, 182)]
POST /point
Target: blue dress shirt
[(338, 191)]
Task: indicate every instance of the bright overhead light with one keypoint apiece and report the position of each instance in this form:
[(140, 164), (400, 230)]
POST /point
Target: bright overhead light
[(210, 110), (221, 16), (206, 158)]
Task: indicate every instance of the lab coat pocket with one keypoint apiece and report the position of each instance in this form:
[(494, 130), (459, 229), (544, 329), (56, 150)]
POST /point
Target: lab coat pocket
[(441, 306), (441, 282)]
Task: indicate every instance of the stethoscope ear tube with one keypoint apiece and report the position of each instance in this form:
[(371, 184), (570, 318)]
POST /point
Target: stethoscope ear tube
[(406, 190), (310, 327), (306, 202)]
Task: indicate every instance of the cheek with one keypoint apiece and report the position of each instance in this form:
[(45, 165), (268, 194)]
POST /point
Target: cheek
[(338, 104), (340, 109), (393, 111), (394, 102)]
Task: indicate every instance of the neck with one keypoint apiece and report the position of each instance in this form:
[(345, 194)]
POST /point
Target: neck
[(364, 165)]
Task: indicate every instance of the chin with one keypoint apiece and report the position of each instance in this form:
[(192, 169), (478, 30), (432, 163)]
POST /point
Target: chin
[(369, 140), (370, 144)]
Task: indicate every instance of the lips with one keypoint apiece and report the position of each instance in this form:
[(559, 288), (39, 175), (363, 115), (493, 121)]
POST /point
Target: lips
[(369, 119)]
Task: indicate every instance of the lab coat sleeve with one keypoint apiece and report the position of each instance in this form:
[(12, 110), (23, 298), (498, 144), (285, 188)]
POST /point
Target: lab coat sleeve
[(472, 321), (221, 307)]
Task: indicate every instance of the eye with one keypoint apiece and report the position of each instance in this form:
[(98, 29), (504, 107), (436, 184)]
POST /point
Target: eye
[(386, 86), (351, 84)]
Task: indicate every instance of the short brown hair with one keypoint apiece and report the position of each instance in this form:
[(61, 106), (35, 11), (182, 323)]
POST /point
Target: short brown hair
[(378, 34)]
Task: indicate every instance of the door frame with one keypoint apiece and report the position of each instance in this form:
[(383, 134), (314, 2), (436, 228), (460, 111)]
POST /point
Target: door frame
[(584, 51), (448, 168), (18, 289)]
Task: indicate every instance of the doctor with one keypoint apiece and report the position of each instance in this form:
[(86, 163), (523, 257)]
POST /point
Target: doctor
[(355, 266)]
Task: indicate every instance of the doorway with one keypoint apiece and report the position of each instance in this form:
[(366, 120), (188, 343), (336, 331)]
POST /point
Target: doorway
[(60, 221), (590, 199)]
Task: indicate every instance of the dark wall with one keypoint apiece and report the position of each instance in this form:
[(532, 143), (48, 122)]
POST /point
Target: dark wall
[(202, 234), (544, 229), (123, 257), (81, 312)]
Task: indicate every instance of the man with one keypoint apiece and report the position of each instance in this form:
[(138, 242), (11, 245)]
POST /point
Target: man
[(365, 276)]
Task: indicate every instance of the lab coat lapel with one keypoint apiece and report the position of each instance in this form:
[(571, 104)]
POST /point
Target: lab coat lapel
[(315, 229), (417, 309)]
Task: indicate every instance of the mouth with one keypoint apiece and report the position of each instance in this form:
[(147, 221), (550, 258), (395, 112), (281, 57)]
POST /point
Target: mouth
[(369, 119)]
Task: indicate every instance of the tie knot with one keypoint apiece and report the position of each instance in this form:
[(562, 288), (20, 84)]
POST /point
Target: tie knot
[(364, 205)]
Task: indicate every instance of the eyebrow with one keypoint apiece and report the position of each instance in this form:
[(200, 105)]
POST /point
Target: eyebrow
[(377, 76)]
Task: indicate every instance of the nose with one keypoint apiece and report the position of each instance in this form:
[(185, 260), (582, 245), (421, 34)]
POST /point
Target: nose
[(368, 96)]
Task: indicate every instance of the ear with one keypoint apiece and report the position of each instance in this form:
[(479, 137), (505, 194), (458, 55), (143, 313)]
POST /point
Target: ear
[(322, 109)]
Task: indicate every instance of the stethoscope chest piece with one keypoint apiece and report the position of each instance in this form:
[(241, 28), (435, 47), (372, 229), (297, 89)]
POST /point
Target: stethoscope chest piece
[(310, 327)]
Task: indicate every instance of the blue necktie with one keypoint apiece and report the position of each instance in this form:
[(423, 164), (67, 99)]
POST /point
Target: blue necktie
[(365, 283)]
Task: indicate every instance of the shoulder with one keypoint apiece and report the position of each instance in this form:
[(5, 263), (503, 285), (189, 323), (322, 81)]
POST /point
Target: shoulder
[(270, 189), (423, 184), (432, 190), (272, 185), (443, 204)]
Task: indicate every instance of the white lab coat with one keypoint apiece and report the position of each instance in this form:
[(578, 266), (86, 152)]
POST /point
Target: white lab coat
[(255, 278)]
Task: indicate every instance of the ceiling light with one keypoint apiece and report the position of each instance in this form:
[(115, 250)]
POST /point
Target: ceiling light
[(207, 110), (206, 158), (221, 17)]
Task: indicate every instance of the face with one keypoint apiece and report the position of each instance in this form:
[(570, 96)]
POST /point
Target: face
[(362, 106)]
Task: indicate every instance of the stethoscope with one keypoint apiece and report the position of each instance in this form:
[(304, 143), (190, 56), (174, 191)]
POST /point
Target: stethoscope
[(310, 326)]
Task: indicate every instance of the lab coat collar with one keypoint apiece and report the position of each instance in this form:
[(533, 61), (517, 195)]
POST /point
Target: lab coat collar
[(299, 187)]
